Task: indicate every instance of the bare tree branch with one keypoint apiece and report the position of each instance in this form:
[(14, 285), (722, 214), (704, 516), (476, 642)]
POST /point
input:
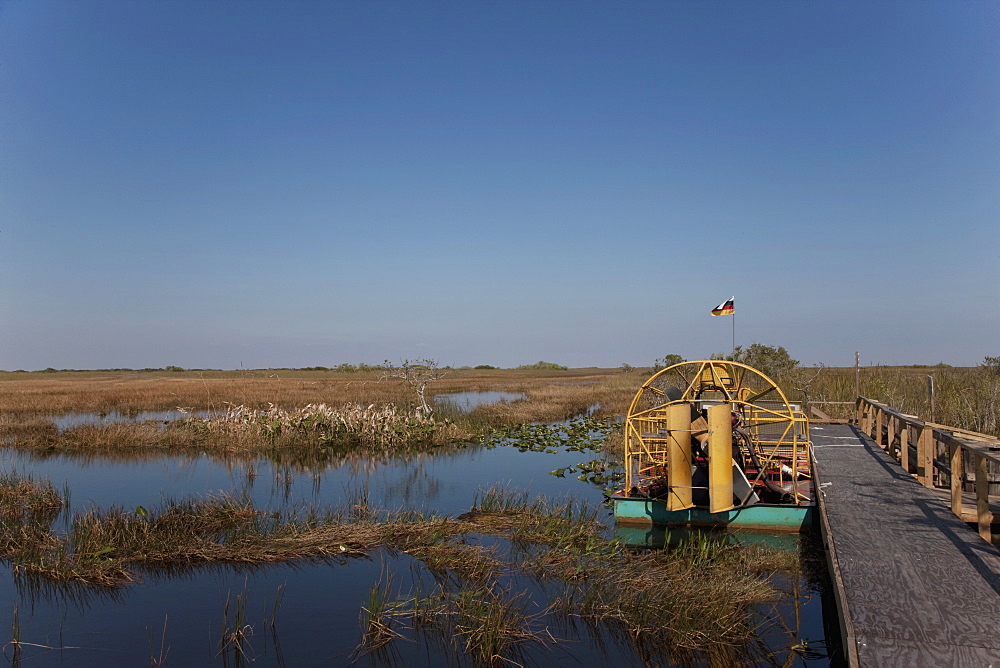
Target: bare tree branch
[(417, 374)]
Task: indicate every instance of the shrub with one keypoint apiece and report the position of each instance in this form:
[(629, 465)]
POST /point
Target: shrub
[(667, 360), (543, 366)]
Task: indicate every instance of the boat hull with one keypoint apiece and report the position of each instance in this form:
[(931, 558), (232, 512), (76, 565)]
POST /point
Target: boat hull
[(761, 516)]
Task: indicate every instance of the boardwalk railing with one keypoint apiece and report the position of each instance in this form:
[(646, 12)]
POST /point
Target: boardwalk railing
[(938, 455)]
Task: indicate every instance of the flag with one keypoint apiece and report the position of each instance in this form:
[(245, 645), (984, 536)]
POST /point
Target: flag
[(725, 308)]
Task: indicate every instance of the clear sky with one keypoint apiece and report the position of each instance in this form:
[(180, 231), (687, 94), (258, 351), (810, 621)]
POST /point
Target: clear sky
[(216, 184)]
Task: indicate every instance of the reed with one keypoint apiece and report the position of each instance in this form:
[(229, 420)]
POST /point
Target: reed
[(484, 625), (324, 425), (158, 658), (965, 397), (450, 558), (28, 508), (129, 392), (698, 595), (339, 416), (667, 600), (493, 626), (562, 524), (26, 501), (376, 617), (236, 632)]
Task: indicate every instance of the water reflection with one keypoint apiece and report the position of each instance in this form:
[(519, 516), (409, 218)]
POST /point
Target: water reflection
[(468, 401), (181, 608), (70, 420)]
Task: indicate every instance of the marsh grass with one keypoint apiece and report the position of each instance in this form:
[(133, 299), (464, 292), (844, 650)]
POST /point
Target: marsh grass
[(353, 424), (677, 605), (489, 626), (158, 658), (669, 602), (28, 507), (698, 595), (26, 501), (569, 523), (376, 618), (130, 392), (965, 397), (236, 632)]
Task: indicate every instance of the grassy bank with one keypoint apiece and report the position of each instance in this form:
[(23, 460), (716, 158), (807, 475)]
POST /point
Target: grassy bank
[(554, 394), (965, 397), (313, 417)]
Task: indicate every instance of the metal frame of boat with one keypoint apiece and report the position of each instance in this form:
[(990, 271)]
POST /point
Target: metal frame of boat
[(716, 443)]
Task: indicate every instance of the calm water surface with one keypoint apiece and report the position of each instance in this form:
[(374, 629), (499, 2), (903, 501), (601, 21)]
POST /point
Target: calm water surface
[(316, 623)]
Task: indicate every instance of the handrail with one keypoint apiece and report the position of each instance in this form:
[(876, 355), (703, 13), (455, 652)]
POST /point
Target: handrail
[(894, 432)]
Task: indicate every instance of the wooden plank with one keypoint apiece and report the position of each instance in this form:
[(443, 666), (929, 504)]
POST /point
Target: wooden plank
[(957, 477), (925, 456), (983, 515), (970, 510), (917, 587), (904, 446), (818, 413)]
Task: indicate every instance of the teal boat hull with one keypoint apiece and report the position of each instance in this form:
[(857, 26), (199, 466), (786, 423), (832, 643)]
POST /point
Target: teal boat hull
[(760, 516)]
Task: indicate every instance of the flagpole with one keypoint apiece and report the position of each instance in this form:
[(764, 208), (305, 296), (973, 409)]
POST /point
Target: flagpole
[(734, 330)]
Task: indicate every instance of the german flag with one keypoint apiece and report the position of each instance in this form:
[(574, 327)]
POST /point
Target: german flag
[(725, 308)]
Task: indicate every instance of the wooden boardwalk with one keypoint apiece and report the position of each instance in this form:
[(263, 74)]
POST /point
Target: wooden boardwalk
[(915, 586)]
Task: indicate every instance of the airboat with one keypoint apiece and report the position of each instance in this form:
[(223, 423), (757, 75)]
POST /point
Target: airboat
[(715, 444)]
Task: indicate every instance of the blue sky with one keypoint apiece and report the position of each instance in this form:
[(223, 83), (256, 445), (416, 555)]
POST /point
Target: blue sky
[(216, 184)]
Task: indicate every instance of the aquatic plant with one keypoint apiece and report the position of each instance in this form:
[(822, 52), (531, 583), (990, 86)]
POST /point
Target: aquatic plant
[(376, 618), (367, 425), (236, 632)]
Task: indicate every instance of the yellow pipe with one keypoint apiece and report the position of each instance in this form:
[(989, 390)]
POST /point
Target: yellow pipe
[(679, 456), (720, 458)]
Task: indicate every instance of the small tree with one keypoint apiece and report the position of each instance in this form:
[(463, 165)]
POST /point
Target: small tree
[(773, 362), (667, 360), (417, 374)]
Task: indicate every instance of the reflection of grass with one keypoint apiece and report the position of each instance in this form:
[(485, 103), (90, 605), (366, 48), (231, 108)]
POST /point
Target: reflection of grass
[(698, 595), (670, 606)]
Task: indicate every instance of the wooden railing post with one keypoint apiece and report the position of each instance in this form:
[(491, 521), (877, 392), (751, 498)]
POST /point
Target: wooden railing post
[(957, 476), (891, 432), (879, 418), (904, 445), (925, 456), (983, 515)]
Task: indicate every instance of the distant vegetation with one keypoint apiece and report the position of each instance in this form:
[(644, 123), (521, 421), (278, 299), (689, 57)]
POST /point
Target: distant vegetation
[(965, 397), (543, 366), (667, 360)]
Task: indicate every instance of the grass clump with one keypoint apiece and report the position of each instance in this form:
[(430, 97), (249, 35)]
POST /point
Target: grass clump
[(323, 424), (28, 507), (485, 604)]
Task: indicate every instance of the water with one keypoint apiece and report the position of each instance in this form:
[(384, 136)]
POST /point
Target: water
[(316, 623), (70, 420), (467, 401)]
